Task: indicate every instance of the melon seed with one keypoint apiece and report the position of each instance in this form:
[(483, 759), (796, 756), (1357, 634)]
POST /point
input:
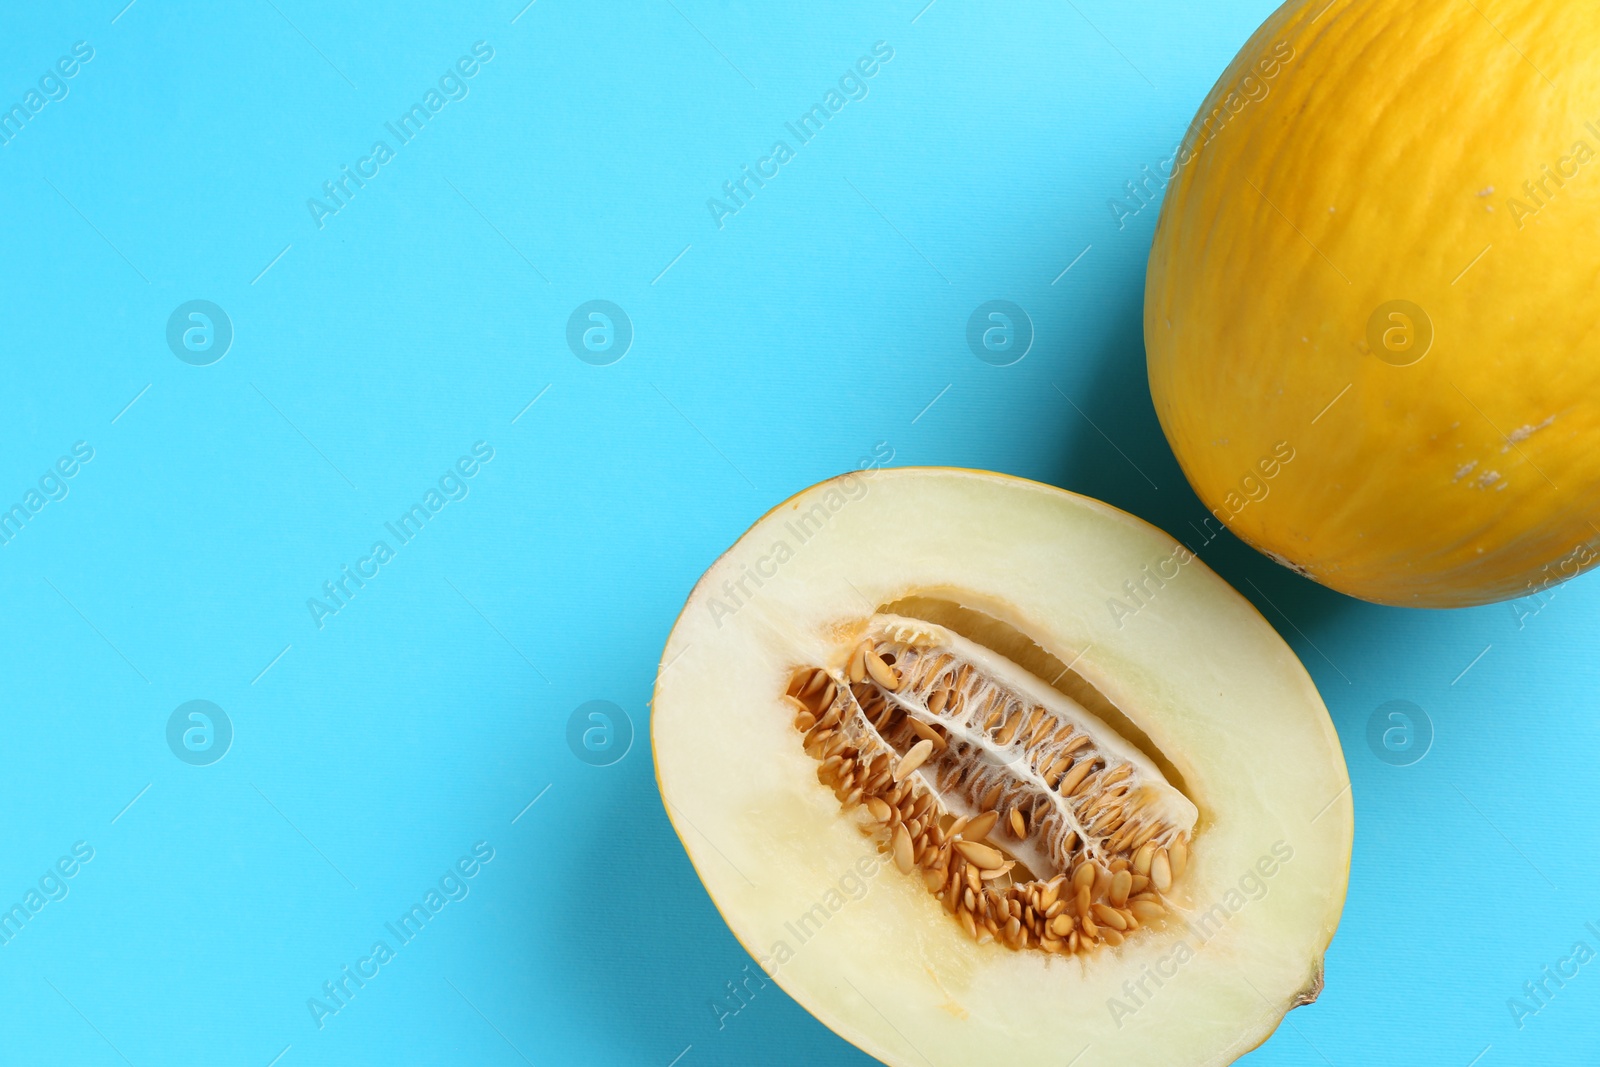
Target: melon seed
[(1091, 846)]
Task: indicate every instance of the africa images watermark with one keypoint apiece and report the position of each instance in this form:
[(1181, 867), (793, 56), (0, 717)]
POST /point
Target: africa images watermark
[(1552, 575), (52, 485), (851, 886), (52, 87), (453, 886), (802, 527), (52, 886), (1252, 87), (452, 85), (852, 85), (338, 593), (1251, 886), (1253, 487), (1540, 191), (1537, 994)]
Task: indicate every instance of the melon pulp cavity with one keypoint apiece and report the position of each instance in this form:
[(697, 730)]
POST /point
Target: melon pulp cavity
[(969, 802)]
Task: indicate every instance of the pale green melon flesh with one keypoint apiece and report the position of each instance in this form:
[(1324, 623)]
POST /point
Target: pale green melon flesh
[(1211, 693)]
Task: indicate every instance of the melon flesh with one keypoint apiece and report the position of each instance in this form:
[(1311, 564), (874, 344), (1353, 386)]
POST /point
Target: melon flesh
[(1099, 617)]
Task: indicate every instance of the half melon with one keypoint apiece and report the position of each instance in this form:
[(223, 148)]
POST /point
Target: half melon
[(985, 772)]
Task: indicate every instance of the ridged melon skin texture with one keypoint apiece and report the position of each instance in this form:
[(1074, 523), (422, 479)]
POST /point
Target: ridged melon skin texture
[(1363, 176), (1198, 669)]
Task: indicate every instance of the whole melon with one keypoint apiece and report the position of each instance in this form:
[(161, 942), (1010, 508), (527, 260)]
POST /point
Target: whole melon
[(1371, 308)]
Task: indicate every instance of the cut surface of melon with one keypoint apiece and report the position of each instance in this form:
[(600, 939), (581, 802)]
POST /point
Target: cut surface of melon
[(984, 772)]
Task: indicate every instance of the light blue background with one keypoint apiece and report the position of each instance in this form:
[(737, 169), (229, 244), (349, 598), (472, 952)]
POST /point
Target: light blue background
[(827, 316)]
